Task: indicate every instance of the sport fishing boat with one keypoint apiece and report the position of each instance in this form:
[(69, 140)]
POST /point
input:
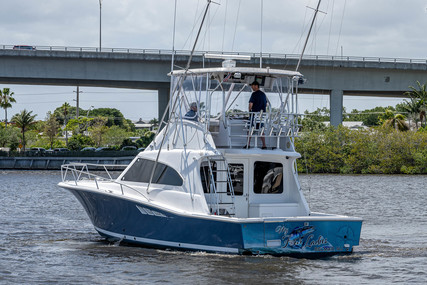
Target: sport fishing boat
[(196, 188), (206, 184)]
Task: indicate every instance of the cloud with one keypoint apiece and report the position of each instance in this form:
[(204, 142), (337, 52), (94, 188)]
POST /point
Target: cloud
[(362, 27)]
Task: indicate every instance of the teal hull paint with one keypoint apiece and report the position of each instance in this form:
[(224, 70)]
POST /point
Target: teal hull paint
[(302, 238)]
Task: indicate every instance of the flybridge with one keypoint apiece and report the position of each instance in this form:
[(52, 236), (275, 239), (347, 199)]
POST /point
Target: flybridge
[(219, 91)]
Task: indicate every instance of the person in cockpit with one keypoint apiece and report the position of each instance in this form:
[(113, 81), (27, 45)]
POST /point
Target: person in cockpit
[(192, 113)]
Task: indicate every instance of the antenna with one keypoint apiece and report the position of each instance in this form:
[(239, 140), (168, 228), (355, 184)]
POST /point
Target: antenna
[(260, 53), (173, 38), (308, 35), (198, 34)]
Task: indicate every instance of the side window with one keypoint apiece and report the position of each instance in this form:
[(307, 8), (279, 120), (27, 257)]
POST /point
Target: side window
[(236, 174), (268, 177), (140, 171)]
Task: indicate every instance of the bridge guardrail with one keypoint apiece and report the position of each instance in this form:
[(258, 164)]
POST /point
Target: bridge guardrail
[(201, 53)]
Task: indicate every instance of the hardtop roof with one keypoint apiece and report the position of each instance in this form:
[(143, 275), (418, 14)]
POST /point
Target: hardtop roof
[(244, 70)]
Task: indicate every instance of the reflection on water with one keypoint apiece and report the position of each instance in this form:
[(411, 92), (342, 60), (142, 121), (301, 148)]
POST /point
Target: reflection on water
[(45, 236)]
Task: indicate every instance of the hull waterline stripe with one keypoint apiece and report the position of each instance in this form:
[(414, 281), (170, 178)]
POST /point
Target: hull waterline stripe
[(169, 243)]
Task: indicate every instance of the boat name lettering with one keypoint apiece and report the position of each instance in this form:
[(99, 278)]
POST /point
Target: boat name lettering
[(282, 230), (302, 237), (319, 241)]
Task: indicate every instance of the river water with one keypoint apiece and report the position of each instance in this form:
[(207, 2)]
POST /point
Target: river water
[(46, 237)]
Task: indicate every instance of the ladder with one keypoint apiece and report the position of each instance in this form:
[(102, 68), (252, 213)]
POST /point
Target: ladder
[(222, 200)]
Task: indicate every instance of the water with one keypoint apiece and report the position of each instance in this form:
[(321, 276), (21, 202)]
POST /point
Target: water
[(46, 237)]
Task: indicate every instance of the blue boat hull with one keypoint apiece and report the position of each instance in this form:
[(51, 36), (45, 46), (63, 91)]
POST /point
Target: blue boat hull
[(121, 219)]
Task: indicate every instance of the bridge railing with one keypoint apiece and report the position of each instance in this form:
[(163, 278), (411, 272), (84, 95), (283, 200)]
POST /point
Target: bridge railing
[(201, 53)]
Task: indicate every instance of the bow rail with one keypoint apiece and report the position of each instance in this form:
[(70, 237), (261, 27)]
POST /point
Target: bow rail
[(81, 172)]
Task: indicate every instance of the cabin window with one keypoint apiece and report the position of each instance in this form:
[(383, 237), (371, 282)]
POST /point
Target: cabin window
[(140, 171), (236, 174), (268, 177)]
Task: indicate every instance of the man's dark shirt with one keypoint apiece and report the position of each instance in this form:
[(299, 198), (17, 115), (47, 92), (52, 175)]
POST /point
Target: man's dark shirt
[(259, 101)]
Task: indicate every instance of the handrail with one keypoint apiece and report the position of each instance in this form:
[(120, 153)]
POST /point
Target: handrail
[(214, 183), (78, 175), (333, 58), (271, 124)]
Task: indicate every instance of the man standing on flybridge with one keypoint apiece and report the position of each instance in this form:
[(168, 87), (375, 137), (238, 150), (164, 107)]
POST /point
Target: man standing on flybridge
[(257, 103)]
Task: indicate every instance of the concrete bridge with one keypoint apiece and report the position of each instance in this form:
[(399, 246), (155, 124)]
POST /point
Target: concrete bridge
[(147, 69)]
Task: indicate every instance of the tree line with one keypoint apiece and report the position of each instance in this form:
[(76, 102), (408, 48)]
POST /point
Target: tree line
[(94, 128)]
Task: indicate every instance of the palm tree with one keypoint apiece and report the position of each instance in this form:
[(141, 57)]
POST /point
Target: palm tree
[(397, 122), (154, 122), (23, 120), (418, 102), (413, 107), (6, 101), (390, 120)]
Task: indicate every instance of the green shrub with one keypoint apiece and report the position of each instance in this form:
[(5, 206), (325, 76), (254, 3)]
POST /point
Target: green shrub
[(79, 141), (374, 151)]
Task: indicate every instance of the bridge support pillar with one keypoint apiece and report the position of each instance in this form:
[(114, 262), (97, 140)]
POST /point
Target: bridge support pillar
[(163, 99), (336, 107)]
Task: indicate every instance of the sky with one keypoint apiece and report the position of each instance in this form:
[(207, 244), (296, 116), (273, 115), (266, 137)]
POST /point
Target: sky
[(380, 28)]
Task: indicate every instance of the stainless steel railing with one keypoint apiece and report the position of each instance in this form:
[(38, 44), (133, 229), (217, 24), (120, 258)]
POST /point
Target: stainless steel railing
[(274, 125), (80, 172)]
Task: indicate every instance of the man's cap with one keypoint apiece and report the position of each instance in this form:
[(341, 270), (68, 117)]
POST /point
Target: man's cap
[(192, 105), (255, 83)]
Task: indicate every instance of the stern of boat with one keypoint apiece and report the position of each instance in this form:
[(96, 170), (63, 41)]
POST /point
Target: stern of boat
[(302, 237)]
